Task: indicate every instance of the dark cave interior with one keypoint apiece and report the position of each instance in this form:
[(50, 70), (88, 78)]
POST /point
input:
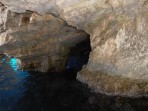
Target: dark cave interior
[(79, 56)]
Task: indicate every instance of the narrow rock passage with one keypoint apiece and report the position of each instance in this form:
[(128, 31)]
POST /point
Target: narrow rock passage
[(79, 55)]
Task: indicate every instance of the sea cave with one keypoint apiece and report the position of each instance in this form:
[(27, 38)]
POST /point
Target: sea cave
[(83, 55)]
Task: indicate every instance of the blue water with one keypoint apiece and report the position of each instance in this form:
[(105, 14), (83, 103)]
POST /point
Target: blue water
[(11, 83), (13, 63), (34, 91)]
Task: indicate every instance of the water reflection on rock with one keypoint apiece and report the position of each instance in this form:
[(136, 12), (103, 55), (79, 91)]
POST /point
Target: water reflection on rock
[(20, 91)]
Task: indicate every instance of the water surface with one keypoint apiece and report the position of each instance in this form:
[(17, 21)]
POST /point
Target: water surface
[(34, 91)]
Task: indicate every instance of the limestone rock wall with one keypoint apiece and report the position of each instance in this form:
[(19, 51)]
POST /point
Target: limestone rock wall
[(118, 32), (41, 42)]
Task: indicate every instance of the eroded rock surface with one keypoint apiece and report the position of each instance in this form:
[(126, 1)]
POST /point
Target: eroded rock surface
[(41, 42), (118, 32)]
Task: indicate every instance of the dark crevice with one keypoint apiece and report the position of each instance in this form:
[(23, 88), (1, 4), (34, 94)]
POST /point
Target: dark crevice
[(79, 56)]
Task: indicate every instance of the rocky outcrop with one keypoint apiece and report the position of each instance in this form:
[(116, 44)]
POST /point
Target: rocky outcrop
[(118, 30), (40, 42)]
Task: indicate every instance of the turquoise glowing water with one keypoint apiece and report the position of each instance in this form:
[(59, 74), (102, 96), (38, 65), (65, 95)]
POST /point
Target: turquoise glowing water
[(13, 63), (11, 83)]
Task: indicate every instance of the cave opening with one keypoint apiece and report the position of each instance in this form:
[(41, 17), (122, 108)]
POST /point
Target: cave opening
[(79, 56)]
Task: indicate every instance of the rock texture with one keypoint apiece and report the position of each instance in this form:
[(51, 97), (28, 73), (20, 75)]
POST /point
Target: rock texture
[(118, 30), (40, 42)]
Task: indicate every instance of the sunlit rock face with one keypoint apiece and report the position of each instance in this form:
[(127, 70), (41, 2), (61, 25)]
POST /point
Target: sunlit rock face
[(118, 30), (41, 42)]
